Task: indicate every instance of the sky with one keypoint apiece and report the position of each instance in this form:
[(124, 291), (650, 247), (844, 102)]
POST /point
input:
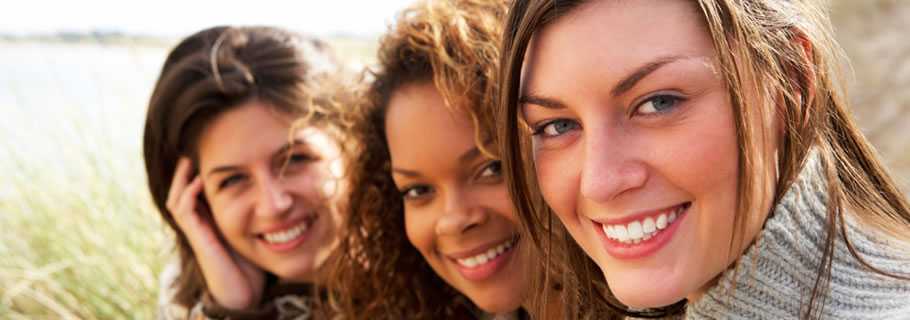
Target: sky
[(182, 17)]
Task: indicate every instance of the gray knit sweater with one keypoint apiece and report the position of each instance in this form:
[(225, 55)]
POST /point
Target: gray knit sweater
[(775, 276)]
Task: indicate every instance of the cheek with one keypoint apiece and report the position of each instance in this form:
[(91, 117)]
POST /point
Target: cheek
[(703, 161), (419, 229), (229, 216), (313, 184), (496, 197), (556, 176)]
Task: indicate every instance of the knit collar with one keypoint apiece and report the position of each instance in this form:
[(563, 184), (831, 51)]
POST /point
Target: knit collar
[(775, 276)]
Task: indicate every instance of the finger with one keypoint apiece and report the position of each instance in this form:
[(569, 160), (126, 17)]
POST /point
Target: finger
[(178, 182), (186, 203)]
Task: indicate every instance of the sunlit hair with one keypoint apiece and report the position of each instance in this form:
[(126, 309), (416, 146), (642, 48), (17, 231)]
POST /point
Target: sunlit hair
[(778, 59), (454, 45), (216, 70)]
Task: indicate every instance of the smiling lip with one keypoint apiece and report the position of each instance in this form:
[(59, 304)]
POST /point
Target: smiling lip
[(488, 269), (647, 247), (309, 220)]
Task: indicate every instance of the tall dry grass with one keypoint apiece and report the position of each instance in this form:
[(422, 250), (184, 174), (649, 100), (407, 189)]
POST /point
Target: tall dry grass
[(78, 243), (79, 238)]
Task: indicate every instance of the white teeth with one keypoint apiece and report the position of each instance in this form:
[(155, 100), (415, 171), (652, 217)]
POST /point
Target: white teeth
[(637, 231), (286, 235), (662, 221), (621, 233), (648, 227), (486, 256), (608, 230)]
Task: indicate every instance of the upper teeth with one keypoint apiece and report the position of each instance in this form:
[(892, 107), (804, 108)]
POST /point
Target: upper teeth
[(641, 230), (485, 256), (287, 234)]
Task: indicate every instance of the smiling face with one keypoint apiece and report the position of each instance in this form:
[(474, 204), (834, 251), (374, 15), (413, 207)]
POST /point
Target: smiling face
[(457, 208), (635, 145), (275, 202)]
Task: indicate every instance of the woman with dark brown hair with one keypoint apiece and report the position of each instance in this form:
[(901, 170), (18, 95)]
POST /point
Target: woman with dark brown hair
[(701, 156), (431, 233), (245, 159)]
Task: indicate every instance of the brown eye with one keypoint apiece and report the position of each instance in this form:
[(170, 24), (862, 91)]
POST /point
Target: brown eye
[(415, 192), (492, 169), (299, 158), (230, 180)]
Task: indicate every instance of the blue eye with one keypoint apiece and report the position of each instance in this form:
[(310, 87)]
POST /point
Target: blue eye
[(658, 104), (556, 127)]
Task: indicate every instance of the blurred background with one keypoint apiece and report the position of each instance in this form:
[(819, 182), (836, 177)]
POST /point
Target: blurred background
[(79, 237)]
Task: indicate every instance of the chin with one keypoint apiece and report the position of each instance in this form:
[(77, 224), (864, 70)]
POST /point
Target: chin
[(300, 272), (643, 296), (644, 300), (495, 303)]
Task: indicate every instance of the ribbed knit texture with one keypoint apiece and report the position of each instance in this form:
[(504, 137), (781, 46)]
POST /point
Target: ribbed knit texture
[(775, 276)]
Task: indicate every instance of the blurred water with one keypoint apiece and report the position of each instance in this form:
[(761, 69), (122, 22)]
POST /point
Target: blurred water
[(66, 103)]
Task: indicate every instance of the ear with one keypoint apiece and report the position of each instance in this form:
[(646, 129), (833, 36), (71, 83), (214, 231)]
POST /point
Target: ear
[(804, 74)]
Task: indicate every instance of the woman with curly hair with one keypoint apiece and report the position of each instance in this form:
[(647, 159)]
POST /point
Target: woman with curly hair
[(245, 156), (702, 156), (432, 233)]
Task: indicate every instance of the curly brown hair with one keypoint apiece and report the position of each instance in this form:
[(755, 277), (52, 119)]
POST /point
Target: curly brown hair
[(221, 68), (454, 44)]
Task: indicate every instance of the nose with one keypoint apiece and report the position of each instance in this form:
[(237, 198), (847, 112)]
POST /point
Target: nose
[(612, 164), (460, 214), (273, 197)]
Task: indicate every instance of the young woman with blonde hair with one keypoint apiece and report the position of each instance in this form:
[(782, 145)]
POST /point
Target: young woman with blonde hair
[(701, 154)]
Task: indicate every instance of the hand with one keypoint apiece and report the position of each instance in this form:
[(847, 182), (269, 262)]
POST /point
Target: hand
[(233, 282)]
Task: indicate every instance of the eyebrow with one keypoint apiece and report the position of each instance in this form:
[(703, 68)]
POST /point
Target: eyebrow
[(280, 151), (468, 156), (626, 84), (632, 79)]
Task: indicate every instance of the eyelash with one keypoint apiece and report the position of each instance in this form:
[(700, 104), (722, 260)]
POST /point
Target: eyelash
[(489, 168), (405, 193), (291, 159), (300, 157), (492, 170), (673, 99), (540, 129), (230, 180)]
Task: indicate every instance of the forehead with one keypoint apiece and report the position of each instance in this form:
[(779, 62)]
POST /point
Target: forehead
[(255, 131), (418, 124), (604, 39)]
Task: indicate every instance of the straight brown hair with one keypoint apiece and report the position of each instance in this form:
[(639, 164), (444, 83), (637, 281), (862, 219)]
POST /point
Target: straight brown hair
[(216, 70), (782, 51)]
